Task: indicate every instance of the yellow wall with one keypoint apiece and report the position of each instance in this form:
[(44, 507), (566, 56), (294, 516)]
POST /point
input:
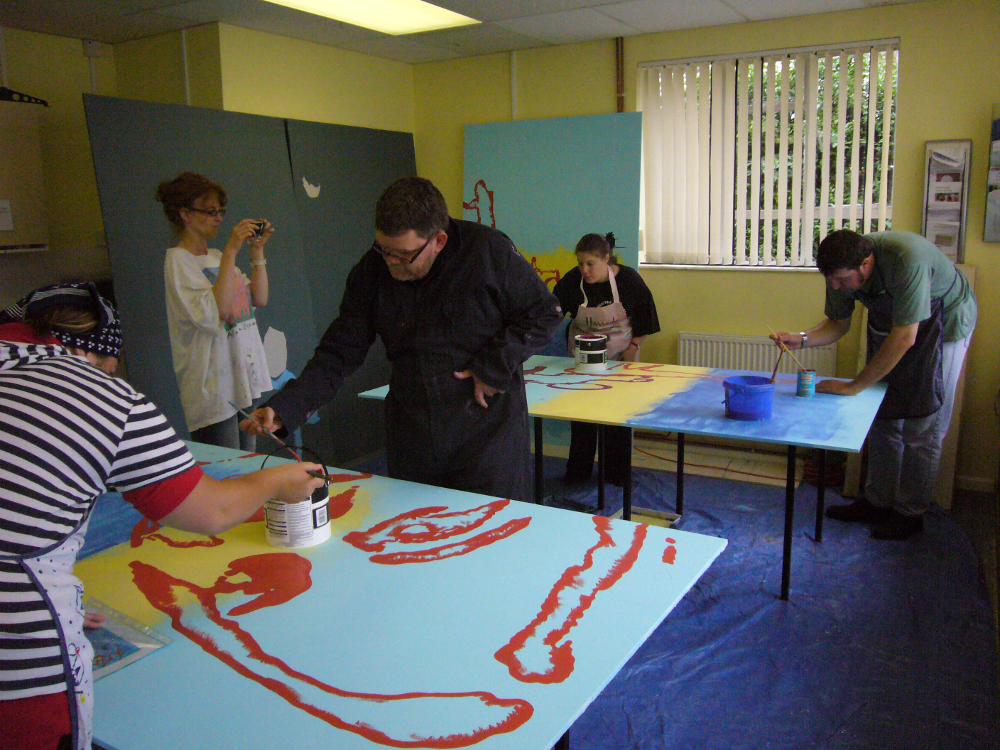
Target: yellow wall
[(55, 69), (265, 74), (947, 88), (152, 69)]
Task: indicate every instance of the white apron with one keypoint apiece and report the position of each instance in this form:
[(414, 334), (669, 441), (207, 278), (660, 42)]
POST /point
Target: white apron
[(610, 320)]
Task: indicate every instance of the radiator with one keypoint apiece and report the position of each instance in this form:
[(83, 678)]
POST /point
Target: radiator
[(750, 353)]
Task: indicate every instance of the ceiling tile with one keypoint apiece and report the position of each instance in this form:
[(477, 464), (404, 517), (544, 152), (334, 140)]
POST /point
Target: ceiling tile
[(492, 10), (569, 27), (481, 39), (655, 15), (759, 10)]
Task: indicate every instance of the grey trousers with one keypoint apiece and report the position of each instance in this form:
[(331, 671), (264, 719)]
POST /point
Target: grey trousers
[(903, 454), (226, 434)]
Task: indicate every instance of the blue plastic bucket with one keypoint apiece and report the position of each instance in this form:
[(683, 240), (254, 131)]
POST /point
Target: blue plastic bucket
[(749, 398)]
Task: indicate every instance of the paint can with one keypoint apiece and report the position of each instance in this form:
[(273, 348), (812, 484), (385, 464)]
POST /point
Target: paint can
[(298, 525), (302, 524), (806, 384), (749, 398), (591, 352)]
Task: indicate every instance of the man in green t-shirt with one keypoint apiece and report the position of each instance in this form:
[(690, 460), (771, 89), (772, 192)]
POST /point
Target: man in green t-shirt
[(921, 314)]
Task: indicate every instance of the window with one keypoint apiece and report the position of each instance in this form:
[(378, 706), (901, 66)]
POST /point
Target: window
[(751, 160)]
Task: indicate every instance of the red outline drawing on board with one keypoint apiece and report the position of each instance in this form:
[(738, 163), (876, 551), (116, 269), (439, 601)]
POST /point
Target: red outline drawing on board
[(543, 652), (476, 203), (410, 537), (435, 720)]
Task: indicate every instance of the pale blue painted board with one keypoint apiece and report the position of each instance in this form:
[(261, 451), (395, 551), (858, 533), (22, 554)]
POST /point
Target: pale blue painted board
[(421, 627)]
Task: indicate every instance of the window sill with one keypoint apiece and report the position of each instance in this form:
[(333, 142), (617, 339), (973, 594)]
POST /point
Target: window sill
[(759, 269)]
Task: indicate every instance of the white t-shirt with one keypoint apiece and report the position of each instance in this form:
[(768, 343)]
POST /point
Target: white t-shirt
[(215, 361)]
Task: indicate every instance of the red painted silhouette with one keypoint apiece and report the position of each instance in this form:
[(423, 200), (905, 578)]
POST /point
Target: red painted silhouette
[(617, 372), (550, 276), (146, 529), (670, 552), (542, 652), (393, 540), (414, 719), (481, 193)]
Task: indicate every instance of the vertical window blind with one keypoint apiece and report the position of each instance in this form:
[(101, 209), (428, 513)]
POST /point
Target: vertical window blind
[(751, 160)]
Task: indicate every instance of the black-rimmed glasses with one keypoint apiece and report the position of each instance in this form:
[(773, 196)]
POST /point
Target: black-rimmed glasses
[(406, 257), (213, 212)]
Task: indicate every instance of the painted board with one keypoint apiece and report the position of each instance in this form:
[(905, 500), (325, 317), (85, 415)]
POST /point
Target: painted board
[(316, 183), (690, 400), (546, 183), (432, 618), (137, 145), (338, 173)]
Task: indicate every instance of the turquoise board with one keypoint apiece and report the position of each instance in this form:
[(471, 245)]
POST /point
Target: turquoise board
[(546, 183), (431, 618)]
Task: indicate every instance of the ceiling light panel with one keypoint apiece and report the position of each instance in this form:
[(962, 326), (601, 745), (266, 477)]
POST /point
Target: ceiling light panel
[(388, 16)]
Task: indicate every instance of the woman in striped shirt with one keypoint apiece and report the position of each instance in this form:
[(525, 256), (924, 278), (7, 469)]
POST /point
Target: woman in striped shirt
[(70, 432)]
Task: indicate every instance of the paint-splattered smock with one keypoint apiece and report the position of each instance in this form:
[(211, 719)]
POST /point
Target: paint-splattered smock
[(68, 433), (482, 308)]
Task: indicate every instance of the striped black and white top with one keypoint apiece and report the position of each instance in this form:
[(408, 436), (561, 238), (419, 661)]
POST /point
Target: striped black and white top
[(68, 433)]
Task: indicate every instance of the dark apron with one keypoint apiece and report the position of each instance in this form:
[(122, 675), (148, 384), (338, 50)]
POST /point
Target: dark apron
[(915, 386)]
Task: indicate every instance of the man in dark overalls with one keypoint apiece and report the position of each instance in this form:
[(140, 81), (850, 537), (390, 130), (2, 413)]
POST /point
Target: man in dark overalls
[(458, 310), (921, 314)]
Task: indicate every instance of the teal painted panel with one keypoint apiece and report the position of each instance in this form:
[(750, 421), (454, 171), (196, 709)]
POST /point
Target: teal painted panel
[(546, 183)]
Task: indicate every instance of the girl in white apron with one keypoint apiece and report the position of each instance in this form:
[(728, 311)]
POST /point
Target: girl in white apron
[(626, 318)]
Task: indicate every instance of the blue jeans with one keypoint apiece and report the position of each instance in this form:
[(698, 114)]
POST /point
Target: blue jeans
[(903, 454)]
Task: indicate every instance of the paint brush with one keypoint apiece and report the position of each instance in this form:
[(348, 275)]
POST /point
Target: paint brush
[(270, 434), (786, 349), (774, 374)]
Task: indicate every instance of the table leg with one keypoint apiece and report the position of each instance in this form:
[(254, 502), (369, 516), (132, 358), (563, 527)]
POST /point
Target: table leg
[(627, 483), (820, 495), (680, 473), (600, 467), (786, 563), (563, 743), (539, 475)]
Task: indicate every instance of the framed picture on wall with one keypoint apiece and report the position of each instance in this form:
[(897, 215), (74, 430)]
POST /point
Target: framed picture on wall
[(946, 195), (991, 227)]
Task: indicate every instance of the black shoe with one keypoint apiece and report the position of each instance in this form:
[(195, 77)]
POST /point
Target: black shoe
[(860, 511), (572, 478), (898, 526)]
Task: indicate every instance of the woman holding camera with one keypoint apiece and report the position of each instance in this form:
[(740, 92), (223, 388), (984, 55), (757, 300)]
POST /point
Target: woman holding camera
[(217, 350)]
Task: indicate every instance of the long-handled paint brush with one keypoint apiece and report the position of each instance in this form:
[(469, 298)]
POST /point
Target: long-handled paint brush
[(775, 373), (786, 349), (267, 432)]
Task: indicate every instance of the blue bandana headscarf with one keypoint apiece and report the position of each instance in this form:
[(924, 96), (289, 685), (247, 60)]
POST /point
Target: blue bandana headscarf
[(105, 338)]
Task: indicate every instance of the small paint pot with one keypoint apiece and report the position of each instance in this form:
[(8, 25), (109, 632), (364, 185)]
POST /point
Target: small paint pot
[(806, 383), (302, 524), (298, 525), (591, 352)]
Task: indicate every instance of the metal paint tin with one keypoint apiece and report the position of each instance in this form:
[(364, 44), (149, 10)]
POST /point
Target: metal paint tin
[(591, 352), (806, 383), (298, 525)]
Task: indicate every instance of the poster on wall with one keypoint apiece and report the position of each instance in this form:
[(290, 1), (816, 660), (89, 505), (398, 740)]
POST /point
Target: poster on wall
[(546, 183), (946, 195), (991, 229)]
